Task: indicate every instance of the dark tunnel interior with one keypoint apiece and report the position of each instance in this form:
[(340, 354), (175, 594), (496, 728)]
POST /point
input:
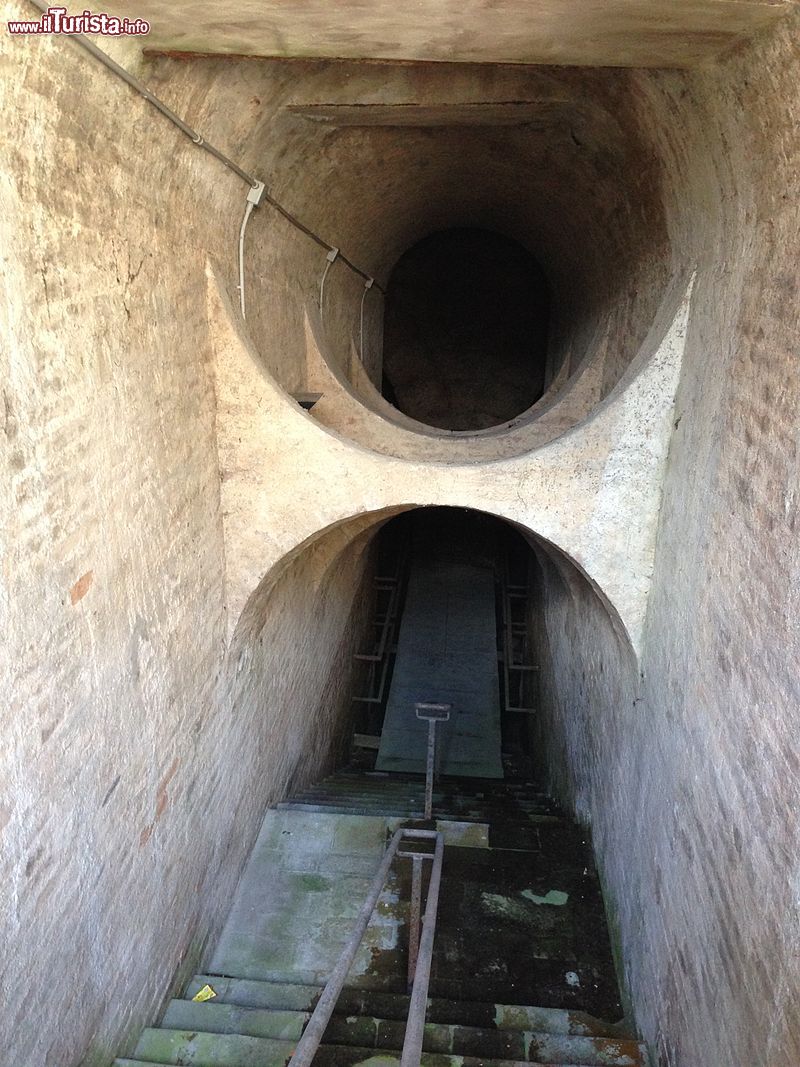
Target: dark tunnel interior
[(466, 326)]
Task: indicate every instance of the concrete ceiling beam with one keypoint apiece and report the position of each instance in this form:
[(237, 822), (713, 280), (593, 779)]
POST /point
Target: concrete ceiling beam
[(594, 491), (612, 33)]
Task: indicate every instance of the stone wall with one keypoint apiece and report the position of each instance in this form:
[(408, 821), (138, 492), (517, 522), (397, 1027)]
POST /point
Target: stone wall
[(292, 670), (132, 781), (686, 763), (139, 752)]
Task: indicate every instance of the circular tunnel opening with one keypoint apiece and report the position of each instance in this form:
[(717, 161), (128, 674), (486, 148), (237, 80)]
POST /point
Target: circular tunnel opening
[(465, 330)]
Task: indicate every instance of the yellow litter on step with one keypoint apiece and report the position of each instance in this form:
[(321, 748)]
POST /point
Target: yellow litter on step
[(206, 993)]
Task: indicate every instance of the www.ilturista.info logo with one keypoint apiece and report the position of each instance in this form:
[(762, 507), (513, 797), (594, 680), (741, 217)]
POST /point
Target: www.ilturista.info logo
[(58, 21)]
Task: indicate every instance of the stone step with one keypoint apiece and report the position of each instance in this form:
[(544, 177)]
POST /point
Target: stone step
[(418, 789), (417, 796), (213, 1017), (385, 811), (355, 797), (384, 1034), (333, 1057), (286, 996), (399, 810), (193, 1046), (256, 1021), (526, 837), (495, 787), (469, 785), (463, 787), (416, 805), (459, 779), (530, 833), (179, 1047), (341, 1056)]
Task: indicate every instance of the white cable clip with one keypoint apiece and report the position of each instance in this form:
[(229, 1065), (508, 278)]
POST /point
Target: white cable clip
[(255, 195), (368, 284), (330, 257)]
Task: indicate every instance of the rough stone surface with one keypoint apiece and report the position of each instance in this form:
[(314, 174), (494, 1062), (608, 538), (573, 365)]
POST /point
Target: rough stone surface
[(686, 765), (578, 187), (595, 491), (113, 574), (162, 494), (617, 33), (132, 780)]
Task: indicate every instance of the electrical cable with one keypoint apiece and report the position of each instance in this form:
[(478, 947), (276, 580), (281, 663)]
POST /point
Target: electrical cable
[(247, 213), (200, 141), (331, 259), (367, 286), (142, 89)]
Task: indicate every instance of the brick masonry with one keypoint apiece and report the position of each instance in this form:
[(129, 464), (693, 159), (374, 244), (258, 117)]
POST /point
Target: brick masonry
[(132, 784), (686, 763), (140, 749)]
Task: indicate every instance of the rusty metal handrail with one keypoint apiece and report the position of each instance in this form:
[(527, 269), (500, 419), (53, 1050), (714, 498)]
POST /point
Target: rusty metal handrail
[(309, 1043), (417, 1008), (431, 714)]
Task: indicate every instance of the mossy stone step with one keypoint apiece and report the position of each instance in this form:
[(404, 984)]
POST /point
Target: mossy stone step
[(214, 1017), (284, 996), (342, 1056), (387, 1034), (191, 1048), (390, 810), (499, 804)]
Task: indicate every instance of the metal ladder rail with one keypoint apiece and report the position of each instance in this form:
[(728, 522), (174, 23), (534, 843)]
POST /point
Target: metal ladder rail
[(380, 659), (511, 592), (311, 1039)]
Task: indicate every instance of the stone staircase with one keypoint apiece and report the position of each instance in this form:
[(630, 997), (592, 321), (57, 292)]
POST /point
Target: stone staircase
[(520, 923)]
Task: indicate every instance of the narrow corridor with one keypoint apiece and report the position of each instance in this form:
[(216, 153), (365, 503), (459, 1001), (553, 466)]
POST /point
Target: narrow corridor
[(521, 969)]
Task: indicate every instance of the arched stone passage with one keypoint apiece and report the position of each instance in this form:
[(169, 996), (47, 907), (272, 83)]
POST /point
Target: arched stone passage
[(568, 171), (291, 674)]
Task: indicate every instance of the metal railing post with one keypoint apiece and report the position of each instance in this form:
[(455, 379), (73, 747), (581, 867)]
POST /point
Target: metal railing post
[(414, 917), (431, 713), (415, 1027)]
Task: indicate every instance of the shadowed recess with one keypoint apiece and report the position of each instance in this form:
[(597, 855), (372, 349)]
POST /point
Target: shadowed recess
[(465, 335)]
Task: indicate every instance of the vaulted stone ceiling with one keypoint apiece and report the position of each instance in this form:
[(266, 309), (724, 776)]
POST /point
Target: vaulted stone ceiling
[(616, 33)]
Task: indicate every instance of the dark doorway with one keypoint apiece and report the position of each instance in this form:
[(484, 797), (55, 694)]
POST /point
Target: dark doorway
[(453, 612), (465, 335)]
